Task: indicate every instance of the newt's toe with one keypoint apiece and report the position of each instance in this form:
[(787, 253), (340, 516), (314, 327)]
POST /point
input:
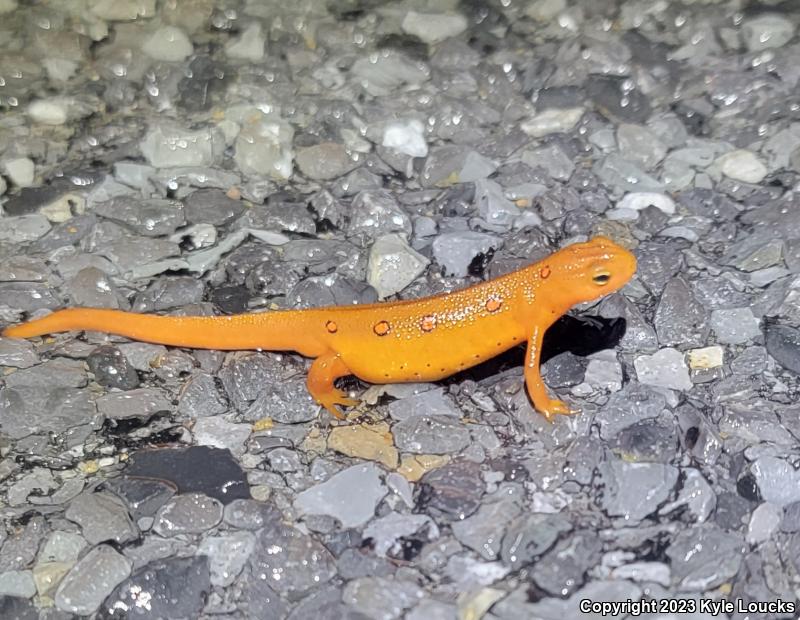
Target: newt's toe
[(557, 407), (334, 398)]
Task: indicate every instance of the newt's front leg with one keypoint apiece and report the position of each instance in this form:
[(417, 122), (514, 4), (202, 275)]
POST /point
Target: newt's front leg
[(323, 372), (549, 407)]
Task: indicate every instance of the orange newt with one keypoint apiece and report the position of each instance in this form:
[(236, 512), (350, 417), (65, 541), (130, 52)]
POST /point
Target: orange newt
[(393, 342)]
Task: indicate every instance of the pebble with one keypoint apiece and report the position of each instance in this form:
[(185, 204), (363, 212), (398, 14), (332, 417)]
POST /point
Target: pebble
[(112, 369), (457, 251), (734, 325), (449, 492), (706, 358), (552, 120), (173, 588), (665, 368), (381, 598), (219, 433), (424, 434), (393, 265), (227, 555), (483, 531), (291, 562), (188, 513), (169, 44), (17, 583), (350, 496), (778, 482), (719, 561), (635, 490), (529, 536), (552, 159), (377, 213), (325, 161), (763, 523), (370, 442), (103, 517), (20, 171), (389, 532), (171, 145), (639, 201), (140, 403), (640, 145), (767, 31), (433, 28), (625, 176), (783, 344), (91, 580), (17, 353), (680, 319), (407, 137), (742, 165), (247, 46)]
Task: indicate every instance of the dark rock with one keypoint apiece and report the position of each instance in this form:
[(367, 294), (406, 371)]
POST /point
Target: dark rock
[(112, 369)]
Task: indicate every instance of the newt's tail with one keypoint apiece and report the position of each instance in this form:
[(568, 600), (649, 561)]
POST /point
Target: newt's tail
[(271, 331)]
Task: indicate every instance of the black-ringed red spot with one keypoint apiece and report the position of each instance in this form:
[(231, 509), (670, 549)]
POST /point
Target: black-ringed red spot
[(428, 323), (493, 304), (381, 328), (544, 272), (332, 327)]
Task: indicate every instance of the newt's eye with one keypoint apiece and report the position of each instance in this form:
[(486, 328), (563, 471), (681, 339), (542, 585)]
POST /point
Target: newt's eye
[(601, 279)]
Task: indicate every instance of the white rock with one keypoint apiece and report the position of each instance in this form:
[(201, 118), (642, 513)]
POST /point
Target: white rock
[(552, 120), (407, 137), (638, 201), (763, 523), (20, 171), (264, 147), (393, 265), (434, 27), (767, 31), (52, 111), (706, 357), (59, 69), (742, 165), (169, 44), (249, 46), (122, 10), (169, 145), (665, 368)]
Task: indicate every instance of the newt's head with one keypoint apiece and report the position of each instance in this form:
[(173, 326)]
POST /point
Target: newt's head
[(590, 270)]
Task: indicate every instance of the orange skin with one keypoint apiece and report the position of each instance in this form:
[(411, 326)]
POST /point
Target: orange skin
[(416, 340)]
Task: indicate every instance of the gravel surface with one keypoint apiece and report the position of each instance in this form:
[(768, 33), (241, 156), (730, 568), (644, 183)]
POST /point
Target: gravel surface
[(222, 156)]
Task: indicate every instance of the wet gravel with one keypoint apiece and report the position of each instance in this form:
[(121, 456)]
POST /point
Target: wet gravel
[(221, 156)]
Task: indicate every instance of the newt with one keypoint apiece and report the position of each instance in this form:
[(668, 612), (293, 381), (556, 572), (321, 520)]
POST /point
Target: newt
[(392, 342)]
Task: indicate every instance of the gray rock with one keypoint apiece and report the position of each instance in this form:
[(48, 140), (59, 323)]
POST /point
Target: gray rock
[(497, 212), (696, 494), (63, 547), (24, 228), (91, 580), (450, 164), (777, 480), (139, 403), (704, 557), (754, 422), (168, 293), (17, 583), (102, 516), (190, 513), (763, 523), (651, 440), (151, 218), (751, 361), (783, 344), (562, 570), (552, 159), (287, 402), (284, 460), (456, 251), (27, 296), (17, 353), (679, 318), (293, 563), (388, 531), (20, 548), (112, 369), (211, 206), (613, 97), (29, 410), (624, 176), (325, 161), (424, 434), (349, 496), (529, 536), (450, 492), (144, 497), (767, 31), (429, 402), (355, 564), (217, 432), (377, 213), (91, 287), (251, 515), (665, 368), (176, 587), (227, 555), (381, 598), (130, 253), (635, 403), (393, 265), (483, 531), (635, 490), (640, 145), (54, 373), (431, 609), (199, 397), (169, 145)]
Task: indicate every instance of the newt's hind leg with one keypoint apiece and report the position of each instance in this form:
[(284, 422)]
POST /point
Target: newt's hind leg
[(323, 372)]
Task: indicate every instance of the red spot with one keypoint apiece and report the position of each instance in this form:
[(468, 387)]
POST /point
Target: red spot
[(493, 304), (544, 272), (428, 323), (332, 327), (382, 328)]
